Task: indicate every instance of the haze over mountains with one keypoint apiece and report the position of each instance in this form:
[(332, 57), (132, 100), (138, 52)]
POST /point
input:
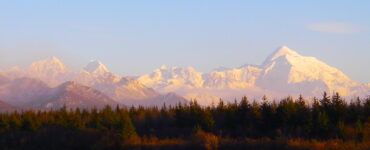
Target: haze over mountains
[(50, 84)]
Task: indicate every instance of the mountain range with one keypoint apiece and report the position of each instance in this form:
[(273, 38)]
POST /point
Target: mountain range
[(49, 84), (284, 72)]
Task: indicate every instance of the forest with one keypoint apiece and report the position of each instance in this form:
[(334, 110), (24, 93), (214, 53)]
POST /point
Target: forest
[(329, 122)]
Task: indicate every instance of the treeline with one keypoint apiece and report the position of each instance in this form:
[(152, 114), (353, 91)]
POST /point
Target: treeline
[(327, 123)]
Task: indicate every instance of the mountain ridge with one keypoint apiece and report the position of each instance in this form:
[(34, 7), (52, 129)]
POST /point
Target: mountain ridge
[(283, 72)]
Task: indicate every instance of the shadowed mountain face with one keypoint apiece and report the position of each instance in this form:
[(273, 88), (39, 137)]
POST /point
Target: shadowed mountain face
[(33, 93), (73, 95), (20, 92), (29, 93)]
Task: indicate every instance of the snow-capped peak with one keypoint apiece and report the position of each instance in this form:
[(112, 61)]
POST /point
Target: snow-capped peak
[(96, 67), (163, 67), (299, 74), (50, 70), (53, 58), (51, 64), (282, 51), (168, 78)]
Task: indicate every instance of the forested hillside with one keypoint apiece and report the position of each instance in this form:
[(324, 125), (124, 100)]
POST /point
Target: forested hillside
[(329, 123)]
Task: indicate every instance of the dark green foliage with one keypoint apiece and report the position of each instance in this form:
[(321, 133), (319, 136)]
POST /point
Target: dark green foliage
[(223, 124)]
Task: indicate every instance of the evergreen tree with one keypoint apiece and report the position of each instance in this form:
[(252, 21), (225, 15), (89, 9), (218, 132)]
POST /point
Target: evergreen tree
[(126, 126), (325, 101), (29, 121)]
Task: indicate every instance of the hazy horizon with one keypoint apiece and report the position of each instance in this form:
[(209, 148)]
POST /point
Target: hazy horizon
[(133, 38)]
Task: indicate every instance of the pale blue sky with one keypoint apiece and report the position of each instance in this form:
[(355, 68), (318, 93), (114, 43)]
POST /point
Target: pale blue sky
[(135, 37)]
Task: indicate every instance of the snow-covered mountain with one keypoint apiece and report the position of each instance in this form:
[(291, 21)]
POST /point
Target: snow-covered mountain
[(239, 78), (127, 89), (284, 72), (96, 67), (299, 74), (167, 79), (95, 73), (35, 82), (52, 71)]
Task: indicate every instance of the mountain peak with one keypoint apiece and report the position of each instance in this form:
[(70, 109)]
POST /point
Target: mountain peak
[(96, 67), (51, 63), (281, 51), (163, 67), (53, 58)]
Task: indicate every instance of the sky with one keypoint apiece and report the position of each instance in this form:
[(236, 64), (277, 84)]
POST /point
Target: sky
[(136, 37)]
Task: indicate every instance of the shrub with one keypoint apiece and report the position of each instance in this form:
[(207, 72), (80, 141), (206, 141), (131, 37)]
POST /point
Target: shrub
[(205, 140)]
